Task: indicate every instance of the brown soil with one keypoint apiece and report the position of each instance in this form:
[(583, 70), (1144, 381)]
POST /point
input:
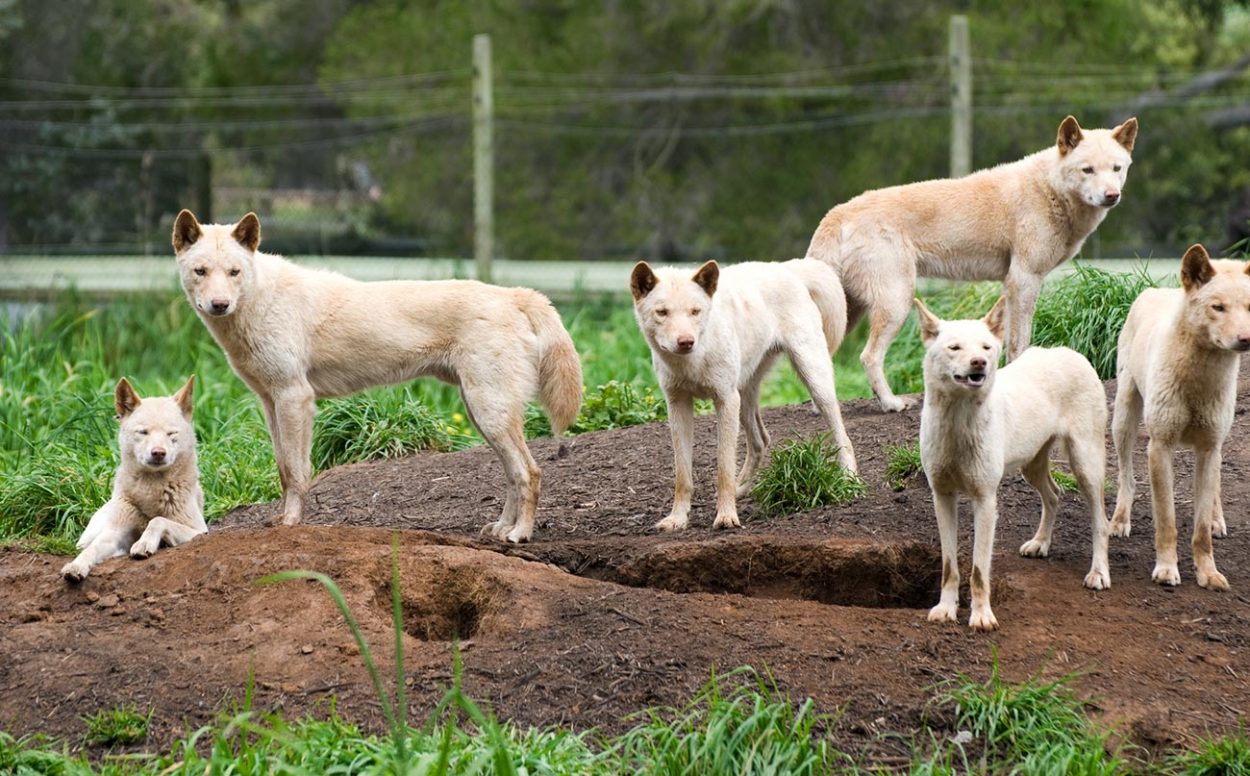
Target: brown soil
[(599, 617)]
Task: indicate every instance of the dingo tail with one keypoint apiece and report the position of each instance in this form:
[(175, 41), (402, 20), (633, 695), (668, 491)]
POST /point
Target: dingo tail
[(559, 369)]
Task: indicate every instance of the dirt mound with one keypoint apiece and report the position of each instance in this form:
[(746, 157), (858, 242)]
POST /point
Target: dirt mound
[(599, 616)]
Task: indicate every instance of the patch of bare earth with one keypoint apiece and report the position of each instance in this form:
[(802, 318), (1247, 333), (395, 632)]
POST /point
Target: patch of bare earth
[(599, 616)]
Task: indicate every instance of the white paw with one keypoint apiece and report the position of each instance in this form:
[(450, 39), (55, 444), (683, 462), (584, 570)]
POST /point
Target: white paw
[(726, 520), (1212, 580), (1035, 549), (894, 404), (516, 535), (1219, 529), (672, 523), (944, 613), (1166, 574), (983, 620), (1120, 528), (142, 549), (74, 571), (1098, 579)]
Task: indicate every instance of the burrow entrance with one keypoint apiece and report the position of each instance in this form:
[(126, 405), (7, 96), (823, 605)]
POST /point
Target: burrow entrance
[(843, 573), (450, 604)]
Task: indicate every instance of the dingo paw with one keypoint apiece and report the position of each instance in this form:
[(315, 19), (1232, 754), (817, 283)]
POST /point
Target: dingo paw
[(1166, 574), (1121, 525), (517, 535), (672, 523), (1219, 528), (1212, 580), (727, 520), (142, 549), (983, 620), (944, 613), (1035, 549), (1098, 579), (895, 404), (75, 571)]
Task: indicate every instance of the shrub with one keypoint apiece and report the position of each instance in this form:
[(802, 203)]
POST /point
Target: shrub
[(804, 474)]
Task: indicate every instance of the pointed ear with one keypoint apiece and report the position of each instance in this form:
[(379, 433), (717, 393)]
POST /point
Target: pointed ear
[(707, 277), (247, 232), (183, 397), (1196, 267), (996, 318), (1069, 135), (186, 231), (1126, 134), (642, 280), (124, 398), (929, 323)]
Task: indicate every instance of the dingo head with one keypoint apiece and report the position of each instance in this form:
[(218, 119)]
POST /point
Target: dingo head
[(1217, 299), (673, 308), (961, 355), (215, 261), (155, 432), (1093, 163)]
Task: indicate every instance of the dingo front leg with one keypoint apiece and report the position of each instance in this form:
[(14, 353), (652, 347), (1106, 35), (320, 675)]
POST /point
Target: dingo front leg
[(160, 530), (1206, 479), (109, 543), (681, 429), (1021, 288), (294, 408), (947, 509), (1159, 458), (985, 516), (726, 454)]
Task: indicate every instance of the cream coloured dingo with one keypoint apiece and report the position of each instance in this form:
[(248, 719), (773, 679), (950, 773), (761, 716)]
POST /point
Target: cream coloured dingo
[(980, 422), (1014, 222), (156, 491), (715, 335), (1179, 353), (295, 335)]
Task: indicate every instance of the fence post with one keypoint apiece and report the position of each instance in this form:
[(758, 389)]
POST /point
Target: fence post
[(483, 159), (961, 97)]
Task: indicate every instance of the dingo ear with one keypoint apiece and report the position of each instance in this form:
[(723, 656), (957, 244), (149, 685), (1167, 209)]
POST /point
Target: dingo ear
[(1069, 135), (707, 277), (1126, 134), (247, 232), (929, 323), (996, 318), (642, 280), (183, 397), (1196, 267), (125, 399), (186, 231)]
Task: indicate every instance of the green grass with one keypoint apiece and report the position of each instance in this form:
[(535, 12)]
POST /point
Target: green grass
[(804, 474), (118, 726), (902, 461)]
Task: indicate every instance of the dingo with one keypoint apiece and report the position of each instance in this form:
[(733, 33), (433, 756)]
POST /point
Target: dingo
[(156, 492), (980, 422), (1178, 357), (1014, 223), (715, 336), (295, 335)]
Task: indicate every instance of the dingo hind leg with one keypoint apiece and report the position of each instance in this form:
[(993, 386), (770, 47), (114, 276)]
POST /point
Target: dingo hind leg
[(1037, 472), (1088, 459), (1124, 423), (815, 371), (891, 302), (500, 421)]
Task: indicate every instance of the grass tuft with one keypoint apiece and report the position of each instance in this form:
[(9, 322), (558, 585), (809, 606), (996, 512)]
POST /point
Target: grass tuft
[(902, 461), (1229, 756), (804, 474), (119, 726), (377, 424)]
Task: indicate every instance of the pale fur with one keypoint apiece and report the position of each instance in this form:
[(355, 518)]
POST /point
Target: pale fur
[(156, 491), (1177, 366), (1014, 223), (295, 335), (971, 436), (734, 322)]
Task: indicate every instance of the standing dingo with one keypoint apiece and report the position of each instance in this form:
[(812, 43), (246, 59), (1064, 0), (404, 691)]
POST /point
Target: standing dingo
[(715, 335), (1179, 353), (295, 335), (156, 491), (1014, 222), (980, 422)]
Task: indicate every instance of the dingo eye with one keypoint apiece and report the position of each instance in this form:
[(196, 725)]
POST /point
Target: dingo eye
[(661, 312), (955, 347), (234, 273), (171, 434), (1219, 308), (985, 347), (1087, 170), (1116, 168), (142, 432), (201, 271), (695, 311)]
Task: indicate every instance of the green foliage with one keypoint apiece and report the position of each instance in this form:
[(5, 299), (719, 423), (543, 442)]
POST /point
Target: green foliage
[(1066, 482), (375, 424), (804, 474), (1229, 756), (902, 461), (119, 726), (1035, 727)]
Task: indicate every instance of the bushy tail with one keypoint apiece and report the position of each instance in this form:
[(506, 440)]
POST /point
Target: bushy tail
[(559, 369), (826, 291)]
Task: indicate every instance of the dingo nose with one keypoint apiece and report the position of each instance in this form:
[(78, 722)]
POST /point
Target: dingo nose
[(1111, 197), (1243, 341), (157, 454), (977, 363), (220, 305), (685, 343)]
